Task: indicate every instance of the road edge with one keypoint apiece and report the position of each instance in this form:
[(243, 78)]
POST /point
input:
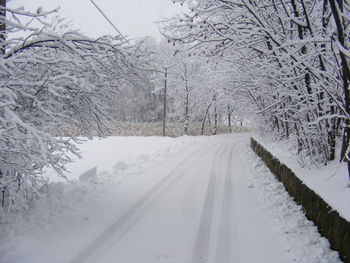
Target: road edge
[(329, 223)]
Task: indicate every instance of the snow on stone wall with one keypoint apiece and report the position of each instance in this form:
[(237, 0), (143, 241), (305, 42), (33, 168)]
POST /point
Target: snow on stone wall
[(330, 224)]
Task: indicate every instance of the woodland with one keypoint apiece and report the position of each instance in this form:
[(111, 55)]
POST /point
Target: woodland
[(282, 65)]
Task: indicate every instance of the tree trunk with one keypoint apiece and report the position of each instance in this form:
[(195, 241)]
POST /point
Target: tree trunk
[(187, 116), (337, 6), (205, 118), (2, 195), (286, 125), (215, 131), (2, 28), (229, 113), (2, 52), (164, 99)]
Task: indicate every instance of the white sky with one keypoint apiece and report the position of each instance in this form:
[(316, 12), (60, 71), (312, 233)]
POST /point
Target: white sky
[(134, 18)]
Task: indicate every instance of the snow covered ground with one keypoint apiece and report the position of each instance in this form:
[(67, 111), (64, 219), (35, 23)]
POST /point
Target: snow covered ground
[(117, 160), (298, 233), (114, 156), (331, 182), (189, 199)]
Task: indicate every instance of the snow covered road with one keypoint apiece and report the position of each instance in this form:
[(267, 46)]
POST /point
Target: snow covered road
[(200, 211), (196, 207)]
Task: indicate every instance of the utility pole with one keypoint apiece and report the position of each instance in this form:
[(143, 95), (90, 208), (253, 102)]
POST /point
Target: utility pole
[(2, 26), (215, 116), (164, 98)]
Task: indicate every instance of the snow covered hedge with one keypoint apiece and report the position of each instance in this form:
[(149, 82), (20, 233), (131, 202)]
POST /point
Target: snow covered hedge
[(329, 222)]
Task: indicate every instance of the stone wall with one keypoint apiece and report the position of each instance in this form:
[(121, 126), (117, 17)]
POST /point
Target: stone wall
[(330, 224)]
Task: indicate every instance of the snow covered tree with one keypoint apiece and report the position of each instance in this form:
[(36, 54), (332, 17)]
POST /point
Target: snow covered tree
[(188, 86), (53, 80), (295, 56)]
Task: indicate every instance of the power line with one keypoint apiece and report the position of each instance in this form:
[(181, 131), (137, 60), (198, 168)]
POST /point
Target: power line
[(110, 22)]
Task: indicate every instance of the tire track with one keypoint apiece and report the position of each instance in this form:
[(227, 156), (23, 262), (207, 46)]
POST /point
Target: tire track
[(142, 206), (201, 248), (223, 251)]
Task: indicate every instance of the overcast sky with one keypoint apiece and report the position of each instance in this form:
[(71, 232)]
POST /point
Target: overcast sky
[(134, 18)]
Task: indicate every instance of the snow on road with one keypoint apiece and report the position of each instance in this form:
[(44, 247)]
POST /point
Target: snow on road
[(200, 206)]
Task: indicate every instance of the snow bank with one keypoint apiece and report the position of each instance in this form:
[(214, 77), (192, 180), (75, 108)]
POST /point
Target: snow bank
[(330, 182), (300, 235), (113, 155), (104, 166)]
